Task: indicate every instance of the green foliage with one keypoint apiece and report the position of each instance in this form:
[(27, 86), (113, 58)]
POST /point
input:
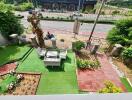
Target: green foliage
[(92, 11), (121, 3), (9, 24), (87, 64), (78, 45), (24, 7), (9, 79), (5, 7), (127, 53), (129, 13), (115, 12), (122, 33), (110, 88)]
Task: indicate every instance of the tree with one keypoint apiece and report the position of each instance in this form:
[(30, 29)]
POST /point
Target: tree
[(9, 24), (35, 21)]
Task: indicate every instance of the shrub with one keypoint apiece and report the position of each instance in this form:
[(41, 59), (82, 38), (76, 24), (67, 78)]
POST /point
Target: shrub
[(9, 24), (115, 12), (102, 13), (78, 45), (127, 53), (87, 64), (122, 33), (5, 7), (129, 13), (24, 7), (92, 11), (110, 88)]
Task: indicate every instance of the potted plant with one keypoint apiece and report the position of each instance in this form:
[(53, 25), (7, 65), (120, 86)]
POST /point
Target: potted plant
[(78, 45)]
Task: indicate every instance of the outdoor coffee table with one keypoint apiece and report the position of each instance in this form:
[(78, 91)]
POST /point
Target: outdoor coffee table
[(52, 54)]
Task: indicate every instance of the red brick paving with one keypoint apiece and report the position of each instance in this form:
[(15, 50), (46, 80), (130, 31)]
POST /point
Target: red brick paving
[(6, 68), (92, 81)]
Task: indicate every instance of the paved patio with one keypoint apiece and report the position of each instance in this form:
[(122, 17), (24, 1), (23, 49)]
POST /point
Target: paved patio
[(93, 81)]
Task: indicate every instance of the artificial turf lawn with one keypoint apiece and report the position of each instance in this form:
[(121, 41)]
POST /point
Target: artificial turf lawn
[(9, 53), (6, 82), (126, 84), (32, 64), (53, 80), (58, 83)]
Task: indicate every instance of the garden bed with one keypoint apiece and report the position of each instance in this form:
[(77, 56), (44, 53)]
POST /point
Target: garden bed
[(85, 60), (28, 86)]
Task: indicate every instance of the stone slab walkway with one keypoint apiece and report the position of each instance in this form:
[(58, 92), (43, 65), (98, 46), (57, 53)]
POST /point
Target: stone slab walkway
[(93, 80)]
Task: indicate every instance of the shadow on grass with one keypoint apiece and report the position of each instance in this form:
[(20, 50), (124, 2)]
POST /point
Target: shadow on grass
[(68, 60), (55, 69)]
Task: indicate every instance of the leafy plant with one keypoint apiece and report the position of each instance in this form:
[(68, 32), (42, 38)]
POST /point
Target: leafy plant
[(127, 53), (9, 24), (5, 7), (24, 7), (115, 12), (110, 88), (122, 33), (87, 64), (78, 45)]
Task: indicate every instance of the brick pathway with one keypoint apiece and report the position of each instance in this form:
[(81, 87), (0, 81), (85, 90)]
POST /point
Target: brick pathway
[(93, 81), (6, 68)]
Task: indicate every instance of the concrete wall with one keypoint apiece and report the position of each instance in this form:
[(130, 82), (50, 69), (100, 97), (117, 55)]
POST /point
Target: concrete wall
[(3, 41)]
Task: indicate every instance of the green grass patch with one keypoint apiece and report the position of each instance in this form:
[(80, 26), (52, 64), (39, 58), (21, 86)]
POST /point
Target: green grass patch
[(32, 64), (58, 83), (126, 84), (9, 53), (6, 82)]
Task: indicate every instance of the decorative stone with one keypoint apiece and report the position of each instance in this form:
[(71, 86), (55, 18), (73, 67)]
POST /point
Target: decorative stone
[(117, 50), (14, 38)]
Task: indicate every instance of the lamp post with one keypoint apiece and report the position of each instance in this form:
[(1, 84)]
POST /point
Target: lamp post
[(102, 4)]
